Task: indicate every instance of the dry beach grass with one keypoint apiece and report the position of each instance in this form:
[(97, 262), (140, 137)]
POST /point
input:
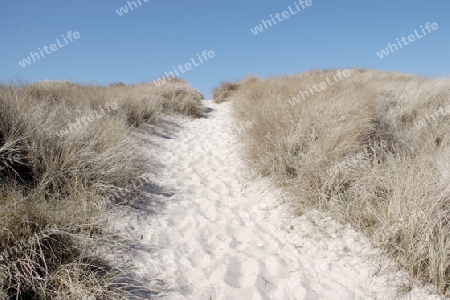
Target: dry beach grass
[(372, 148), (64, 150)]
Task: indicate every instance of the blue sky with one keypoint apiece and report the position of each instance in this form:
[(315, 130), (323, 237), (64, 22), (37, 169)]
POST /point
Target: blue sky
[(147, 41)]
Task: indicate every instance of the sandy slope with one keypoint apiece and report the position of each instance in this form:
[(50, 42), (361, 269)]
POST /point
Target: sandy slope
[(222, 237)]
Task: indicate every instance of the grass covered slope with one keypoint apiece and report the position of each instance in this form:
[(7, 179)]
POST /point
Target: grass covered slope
[(65, 149), (372, 148)]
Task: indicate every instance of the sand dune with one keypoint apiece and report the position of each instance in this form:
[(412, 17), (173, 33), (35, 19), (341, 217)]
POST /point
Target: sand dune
[(224, 236)]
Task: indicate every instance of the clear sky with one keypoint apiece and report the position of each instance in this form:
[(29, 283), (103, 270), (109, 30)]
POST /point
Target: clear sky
[(149, 40)]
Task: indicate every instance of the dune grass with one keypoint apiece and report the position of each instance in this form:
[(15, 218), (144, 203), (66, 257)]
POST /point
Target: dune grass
[(64, 150), (224, 91), (372, 149)]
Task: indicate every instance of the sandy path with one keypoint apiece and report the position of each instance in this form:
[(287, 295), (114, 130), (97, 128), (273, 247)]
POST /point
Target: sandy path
[(222, 238)]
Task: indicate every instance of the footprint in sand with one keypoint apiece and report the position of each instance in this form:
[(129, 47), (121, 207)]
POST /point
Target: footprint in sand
[(219, 239)]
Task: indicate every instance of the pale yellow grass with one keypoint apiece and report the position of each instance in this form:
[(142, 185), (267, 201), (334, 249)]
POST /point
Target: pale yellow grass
[(56, 175), (393, 180)]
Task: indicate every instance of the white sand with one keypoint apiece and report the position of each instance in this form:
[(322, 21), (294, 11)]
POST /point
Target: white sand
[(222, 237)]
